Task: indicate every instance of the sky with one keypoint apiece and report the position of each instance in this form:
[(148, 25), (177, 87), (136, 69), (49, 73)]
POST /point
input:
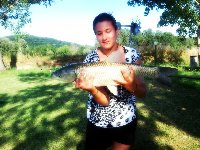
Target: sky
[(71, 21)]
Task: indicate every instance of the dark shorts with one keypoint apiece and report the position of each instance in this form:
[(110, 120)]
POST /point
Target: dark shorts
[(98, 138)]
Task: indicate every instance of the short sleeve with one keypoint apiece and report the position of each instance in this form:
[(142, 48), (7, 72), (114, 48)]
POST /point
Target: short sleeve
[(91, 57)]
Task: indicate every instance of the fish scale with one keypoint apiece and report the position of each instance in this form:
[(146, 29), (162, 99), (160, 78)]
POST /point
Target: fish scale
[(103, 73)]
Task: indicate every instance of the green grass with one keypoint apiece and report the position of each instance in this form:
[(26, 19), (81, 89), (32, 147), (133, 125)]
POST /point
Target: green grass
[(187, 82), (38, 113)]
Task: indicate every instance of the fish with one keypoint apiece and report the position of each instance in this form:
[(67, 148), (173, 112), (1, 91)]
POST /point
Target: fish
[(107, 73)]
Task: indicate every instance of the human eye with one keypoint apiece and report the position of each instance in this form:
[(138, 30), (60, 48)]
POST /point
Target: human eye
[(98, 33), (108, 30)]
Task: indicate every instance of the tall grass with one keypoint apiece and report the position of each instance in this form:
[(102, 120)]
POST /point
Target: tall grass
[(37, 112)]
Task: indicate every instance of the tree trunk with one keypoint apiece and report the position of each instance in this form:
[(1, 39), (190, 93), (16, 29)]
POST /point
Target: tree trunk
[(13, 62), (198, 44), (2, 66)]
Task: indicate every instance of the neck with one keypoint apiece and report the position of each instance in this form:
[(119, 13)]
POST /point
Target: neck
[(107, 52)]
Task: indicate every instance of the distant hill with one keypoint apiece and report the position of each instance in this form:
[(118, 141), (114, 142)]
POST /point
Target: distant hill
[(35, 40)]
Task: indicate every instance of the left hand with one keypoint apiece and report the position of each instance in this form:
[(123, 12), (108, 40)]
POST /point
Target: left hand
[(129, 79)]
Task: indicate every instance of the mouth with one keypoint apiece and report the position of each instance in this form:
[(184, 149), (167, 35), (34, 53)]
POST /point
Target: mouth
[(106, 43)]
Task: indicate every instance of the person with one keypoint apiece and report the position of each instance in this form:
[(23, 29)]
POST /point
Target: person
[(112, 119)]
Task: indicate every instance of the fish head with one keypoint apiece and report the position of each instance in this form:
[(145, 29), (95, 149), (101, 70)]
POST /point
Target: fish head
[(66, 73)]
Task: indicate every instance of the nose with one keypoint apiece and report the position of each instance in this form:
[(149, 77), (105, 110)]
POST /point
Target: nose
[(104, 37)]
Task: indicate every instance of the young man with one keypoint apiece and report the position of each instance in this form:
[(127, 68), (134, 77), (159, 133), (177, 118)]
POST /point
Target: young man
[(112, 119)]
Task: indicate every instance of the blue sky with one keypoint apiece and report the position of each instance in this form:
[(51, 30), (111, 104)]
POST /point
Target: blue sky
[(72, 20)]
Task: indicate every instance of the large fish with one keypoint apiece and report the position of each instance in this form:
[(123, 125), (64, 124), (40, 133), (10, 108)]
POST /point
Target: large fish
[(106, 73)]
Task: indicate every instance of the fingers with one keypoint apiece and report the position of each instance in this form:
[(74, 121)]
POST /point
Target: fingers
[(128, 74), (120, 82), (79, 80), (84, 81), (77, 83)]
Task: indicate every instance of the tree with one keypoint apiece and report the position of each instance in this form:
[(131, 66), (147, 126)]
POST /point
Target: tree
[(19, 45), (10, 48), (14, 14), (184, 13), (124, 37), (5, 46), (168, 50)]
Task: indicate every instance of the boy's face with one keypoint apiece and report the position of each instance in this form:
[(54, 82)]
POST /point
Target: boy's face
[(106, 34)]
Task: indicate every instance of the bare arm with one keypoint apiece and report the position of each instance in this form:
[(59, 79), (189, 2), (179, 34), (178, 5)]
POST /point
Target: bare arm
[(100, 94)]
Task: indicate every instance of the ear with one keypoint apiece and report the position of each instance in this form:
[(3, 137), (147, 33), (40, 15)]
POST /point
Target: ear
[(117, 32)]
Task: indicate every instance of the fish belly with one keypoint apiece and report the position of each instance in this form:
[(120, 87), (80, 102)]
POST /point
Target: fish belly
[(104, 76)]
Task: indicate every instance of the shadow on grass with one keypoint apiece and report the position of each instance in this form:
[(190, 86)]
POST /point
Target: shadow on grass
[(54, 116), (3, 99), (34, 76), (176, 106), (37, 116)]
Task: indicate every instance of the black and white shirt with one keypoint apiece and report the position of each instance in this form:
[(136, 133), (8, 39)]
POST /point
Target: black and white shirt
[(122, 108)]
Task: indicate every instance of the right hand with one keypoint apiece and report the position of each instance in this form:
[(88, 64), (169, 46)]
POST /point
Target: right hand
[(85, 82)]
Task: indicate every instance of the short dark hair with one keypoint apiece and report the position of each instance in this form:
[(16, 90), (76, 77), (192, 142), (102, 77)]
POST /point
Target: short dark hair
[(104, 17)]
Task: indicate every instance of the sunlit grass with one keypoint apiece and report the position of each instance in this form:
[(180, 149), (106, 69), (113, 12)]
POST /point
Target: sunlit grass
[(163, 135), (37, 112), (169, 118), (188, 82)]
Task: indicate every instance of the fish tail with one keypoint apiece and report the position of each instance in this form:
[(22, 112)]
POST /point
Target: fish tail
[(163, 79), (164, 75)]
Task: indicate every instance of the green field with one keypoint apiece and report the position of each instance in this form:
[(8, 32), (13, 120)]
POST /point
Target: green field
[(38, 113)]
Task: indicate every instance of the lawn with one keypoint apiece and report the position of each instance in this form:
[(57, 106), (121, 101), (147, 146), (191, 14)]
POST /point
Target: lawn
[(38, 113)]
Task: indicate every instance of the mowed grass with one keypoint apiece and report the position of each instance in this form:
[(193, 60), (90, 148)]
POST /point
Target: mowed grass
[(39, 113)]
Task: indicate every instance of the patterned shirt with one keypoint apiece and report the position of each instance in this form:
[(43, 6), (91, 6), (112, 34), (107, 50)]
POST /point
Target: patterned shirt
[(122, 108)]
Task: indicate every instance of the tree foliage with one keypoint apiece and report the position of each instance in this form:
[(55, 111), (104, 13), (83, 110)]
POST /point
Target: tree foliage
[(10, 48), (35, 40), (43, 46), (14, 14), (169, 48), (39, 46), (6, 45), (124, 37), (184, 13)]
